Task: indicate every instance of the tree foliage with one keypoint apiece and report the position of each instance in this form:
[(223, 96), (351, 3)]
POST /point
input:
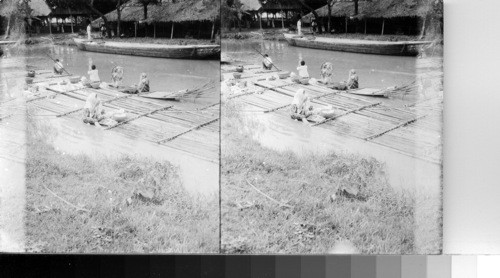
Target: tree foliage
[(231, 11)]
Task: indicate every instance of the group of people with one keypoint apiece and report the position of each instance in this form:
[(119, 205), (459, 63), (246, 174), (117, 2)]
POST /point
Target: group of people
[(93, 111), (102, 29), (301, 107), (326, 74)]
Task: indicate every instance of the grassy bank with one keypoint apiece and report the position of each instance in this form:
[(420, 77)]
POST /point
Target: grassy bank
[(254, 34), (78, 203), (318, 201)]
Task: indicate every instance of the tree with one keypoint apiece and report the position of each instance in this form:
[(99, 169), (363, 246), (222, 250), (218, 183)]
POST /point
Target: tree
[(329, 4), (231, 12), (120, 5), (17, 12), (145, 4)]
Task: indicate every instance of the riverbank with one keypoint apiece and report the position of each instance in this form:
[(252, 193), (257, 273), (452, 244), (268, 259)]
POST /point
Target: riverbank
[(83, 204), (277, 34), (280, 202), (67, 39)]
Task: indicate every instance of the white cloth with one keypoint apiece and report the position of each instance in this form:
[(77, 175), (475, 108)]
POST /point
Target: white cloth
[(58, 66), (94, 76), (299, 27), (327, 72), (89, 31), (267, 61), (94, 106), (299, 98), (117, 75), (303, 73)]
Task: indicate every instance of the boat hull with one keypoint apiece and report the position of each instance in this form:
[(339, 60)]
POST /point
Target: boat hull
[(367, 47), (135, 49)]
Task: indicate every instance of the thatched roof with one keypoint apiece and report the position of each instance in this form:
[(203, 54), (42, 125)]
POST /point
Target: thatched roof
[(378, 9), (83, 10), (39, 8), (187, 10), (250, 5)]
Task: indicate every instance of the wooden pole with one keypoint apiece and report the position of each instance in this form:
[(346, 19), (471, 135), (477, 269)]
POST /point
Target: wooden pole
[(7, 31), (422, 32), (282, 20), (260, 21), (49, 22), (213, 30), (383, 26), (172, 31), (71, 20), (365, 26), (154, 29), (346, 24), (135, 29)]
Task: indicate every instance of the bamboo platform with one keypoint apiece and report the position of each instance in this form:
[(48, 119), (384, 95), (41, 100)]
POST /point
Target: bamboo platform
[(413, 129), (188, 127)]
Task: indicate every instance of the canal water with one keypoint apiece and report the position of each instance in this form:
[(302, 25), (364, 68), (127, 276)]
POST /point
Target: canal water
[(375, 71), (198, 175)]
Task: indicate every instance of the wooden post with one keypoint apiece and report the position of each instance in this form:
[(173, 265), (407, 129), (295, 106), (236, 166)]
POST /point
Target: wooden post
[(71, 20), (49, 22), (422, 32), (346, 24), (213, 30), (172, 31), (154, 29), (383, 26), (282, 21), (365, 26), (260, 21), (7, 31), (135, 29)]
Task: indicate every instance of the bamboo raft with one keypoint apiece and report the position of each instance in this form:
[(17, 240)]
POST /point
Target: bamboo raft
[(413, 129), (404, 48), (188, 127), (151, 50)]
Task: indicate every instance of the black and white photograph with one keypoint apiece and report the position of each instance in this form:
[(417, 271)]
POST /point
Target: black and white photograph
[(331, 126), (109, 126)]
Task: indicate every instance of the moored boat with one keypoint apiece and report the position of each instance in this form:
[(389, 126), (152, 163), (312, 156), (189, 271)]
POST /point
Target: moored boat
[(399, 48), (368, 92), (151, 50)]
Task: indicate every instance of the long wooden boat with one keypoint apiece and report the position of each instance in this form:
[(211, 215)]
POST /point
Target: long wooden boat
[(401, 48), (371, 92), (151, 50), (163, 95)]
